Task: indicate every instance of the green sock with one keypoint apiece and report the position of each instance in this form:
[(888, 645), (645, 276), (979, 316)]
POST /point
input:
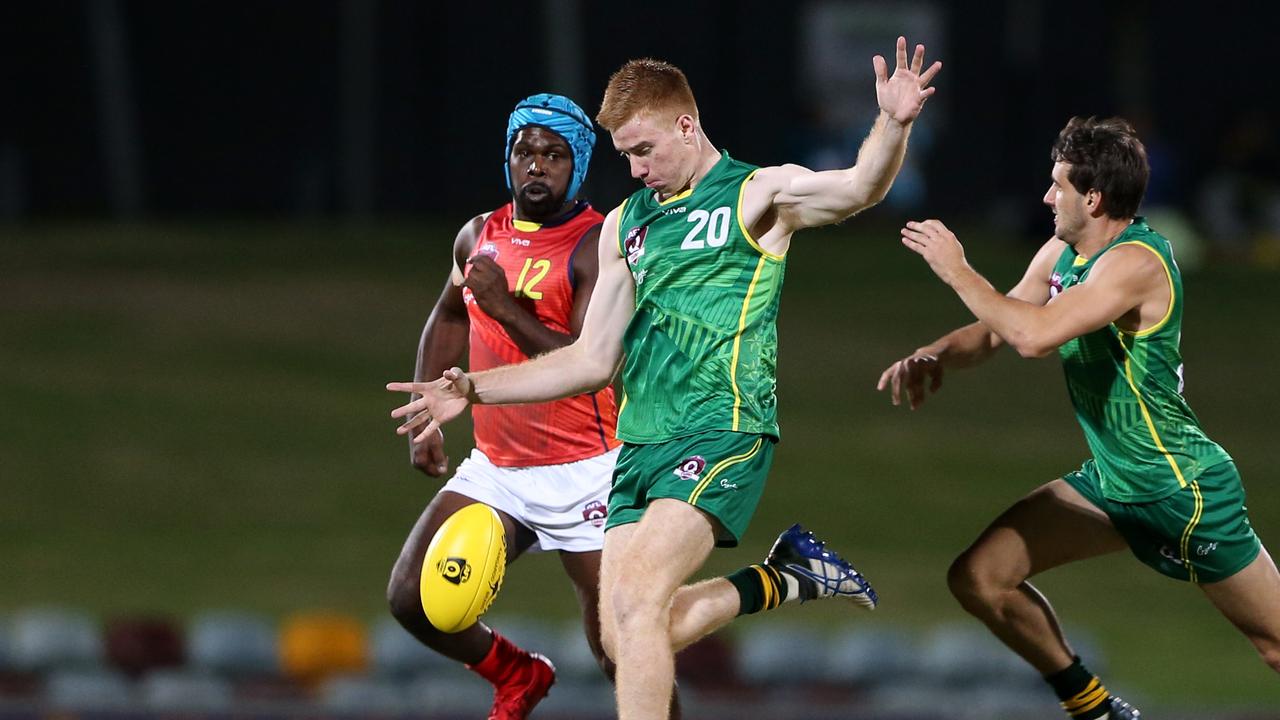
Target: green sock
[(761, 587), (1082, 694)]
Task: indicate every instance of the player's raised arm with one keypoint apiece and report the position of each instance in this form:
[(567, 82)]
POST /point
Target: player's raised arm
[(803, 198), (586, 365)]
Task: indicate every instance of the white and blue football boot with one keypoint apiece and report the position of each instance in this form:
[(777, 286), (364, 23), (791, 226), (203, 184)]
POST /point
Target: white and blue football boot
[(821, 573), (1120, 710)]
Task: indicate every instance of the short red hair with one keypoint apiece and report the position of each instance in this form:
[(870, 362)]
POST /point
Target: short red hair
[(645, 85)]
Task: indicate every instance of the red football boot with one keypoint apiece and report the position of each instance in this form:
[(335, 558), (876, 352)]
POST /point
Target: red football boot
[(520, 679)]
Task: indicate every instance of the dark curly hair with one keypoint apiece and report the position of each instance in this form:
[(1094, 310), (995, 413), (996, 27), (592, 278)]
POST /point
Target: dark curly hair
[(1107, 156)]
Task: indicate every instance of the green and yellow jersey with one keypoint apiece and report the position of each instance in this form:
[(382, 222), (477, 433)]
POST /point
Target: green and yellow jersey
[(701, 348), (1126, 388)]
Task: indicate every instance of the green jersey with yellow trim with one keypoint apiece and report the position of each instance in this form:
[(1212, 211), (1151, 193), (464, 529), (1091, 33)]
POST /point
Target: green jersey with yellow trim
[(701, 348), (1126, 388)]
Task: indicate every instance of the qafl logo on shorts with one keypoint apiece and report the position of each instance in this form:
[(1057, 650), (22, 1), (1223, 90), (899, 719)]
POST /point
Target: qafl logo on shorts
[(690, 468), (455, 569), (595, 512), (633, 245)]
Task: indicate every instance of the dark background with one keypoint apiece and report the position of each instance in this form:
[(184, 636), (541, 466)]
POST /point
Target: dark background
[(222, 225), (323, 108)]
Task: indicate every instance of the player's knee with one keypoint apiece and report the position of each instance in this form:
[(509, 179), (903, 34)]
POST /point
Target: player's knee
[(634, 609), (403, 597), (968, 583), (1270, 652)]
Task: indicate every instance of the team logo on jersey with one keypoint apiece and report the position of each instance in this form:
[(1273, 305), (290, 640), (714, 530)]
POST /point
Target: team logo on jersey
[(690, 468), (595, 512), (1055, 284), (456, 570), (489, 249), (633, 245)]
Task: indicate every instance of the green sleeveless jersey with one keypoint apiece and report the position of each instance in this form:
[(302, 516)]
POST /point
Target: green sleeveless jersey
[(1126, 388), (702, 346)]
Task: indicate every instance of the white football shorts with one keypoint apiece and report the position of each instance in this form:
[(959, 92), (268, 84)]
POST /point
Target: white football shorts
[(564, 505)]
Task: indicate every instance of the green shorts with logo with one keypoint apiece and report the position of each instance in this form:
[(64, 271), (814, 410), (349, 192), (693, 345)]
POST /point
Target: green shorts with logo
[(720, 472), (1199, 533)]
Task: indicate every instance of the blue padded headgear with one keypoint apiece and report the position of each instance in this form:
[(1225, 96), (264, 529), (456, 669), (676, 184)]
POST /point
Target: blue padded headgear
[(561, 116)]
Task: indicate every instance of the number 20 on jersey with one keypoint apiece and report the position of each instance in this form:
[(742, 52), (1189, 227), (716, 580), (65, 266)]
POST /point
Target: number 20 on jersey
[(710, 229)]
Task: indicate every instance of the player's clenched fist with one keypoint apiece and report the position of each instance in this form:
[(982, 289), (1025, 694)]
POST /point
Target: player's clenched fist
[(488, 284)]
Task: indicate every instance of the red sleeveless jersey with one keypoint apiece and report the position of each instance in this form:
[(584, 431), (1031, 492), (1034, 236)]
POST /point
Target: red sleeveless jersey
[(538, 262)]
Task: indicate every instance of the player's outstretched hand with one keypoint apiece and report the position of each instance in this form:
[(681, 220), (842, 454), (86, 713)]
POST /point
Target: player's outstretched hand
[(429, 456), (902, 95), (908, 376), (442, 400), (937, 245)]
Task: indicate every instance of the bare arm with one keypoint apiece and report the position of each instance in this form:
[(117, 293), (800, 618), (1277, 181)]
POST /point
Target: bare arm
[(444, 336), (440, 347), (780, 200), (1127, 280), (586, 365), (965, 346)]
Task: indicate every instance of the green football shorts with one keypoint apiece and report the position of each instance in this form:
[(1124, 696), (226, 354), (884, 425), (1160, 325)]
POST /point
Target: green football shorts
[(1200, 533), (720, 472)]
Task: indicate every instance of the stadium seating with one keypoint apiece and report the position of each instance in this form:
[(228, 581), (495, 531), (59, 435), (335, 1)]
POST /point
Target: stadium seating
[(234, 644), (779, 653), (99, 689), (451, 691), (315, 646), (48, 638), (863, 655), (396, 654), (964, 654), (327, 665), (138, 644), (175, 691), (575, 699), (364, 696)]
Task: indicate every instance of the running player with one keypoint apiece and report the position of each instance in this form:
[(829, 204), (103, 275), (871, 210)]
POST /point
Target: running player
[(690, 274), (1106, 295), (521, 280)]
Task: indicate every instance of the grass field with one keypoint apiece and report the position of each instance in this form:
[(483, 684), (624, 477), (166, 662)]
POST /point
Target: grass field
[(193, 418)]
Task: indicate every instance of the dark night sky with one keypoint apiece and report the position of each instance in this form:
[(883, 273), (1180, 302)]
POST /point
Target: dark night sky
[(238, 106)]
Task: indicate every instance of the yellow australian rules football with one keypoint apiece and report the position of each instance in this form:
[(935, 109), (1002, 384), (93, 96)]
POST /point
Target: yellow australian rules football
[(463, 568)]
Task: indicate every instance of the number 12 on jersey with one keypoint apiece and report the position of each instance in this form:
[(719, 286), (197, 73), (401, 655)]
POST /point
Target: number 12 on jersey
[(525, 284)]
